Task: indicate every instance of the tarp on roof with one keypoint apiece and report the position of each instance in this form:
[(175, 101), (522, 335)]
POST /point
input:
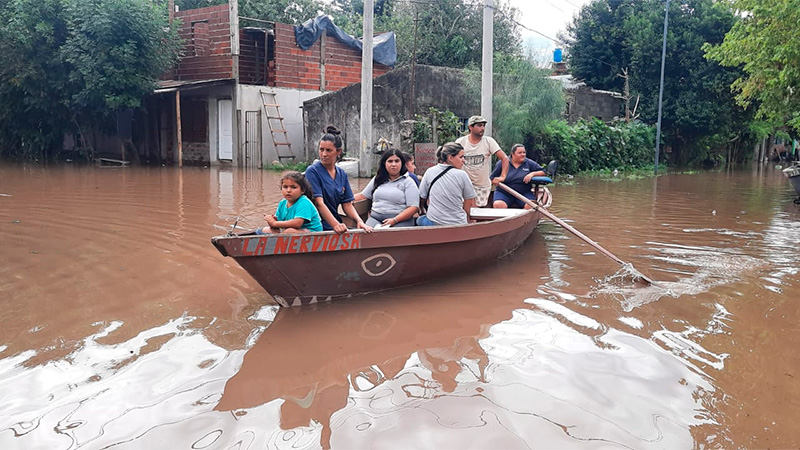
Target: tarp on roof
[(384, 46)]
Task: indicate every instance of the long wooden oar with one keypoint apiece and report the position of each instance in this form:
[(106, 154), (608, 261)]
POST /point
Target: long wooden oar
[(572, 230)]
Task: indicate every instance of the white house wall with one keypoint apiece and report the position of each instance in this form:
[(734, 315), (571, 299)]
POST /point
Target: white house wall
[(215, 94), (291, 104)]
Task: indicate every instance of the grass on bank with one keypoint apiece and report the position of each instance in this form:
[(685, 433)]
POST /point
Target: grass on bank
[(298, 166)]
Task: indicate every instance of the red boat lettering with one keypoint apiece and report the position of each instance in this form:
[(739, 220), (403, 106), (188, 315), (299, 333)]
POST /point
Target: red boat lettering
[(281, 245), (319, 243), (293, 244), (290, 245), (262, 245), (304, 244), (355, 241), (332, 243)]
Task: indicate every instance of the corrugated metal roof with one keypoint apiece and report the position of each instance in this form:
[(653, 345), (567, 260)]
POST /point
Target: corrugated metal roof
[(182, 85), (570, 84)]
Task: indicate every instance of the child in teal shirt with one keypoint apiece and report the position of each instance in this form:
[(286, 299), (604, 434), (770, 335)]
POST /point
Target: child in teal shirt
[(296, 213)]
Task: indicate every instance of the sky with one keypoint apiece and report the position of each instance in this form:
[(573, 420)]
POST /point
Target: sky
[(548, 17)]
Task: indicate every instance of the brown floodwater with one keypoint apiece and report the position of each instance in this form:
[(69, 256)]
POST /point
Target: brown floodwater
[(123, 327)]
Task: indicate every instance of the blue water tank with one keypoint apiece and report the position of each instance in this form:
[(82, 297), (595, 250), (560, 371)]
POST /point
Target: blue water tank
[(557, 54)]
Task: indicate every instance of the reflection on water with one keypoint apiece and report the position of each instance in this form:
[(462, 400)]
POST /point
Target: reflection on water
[(122, 326)]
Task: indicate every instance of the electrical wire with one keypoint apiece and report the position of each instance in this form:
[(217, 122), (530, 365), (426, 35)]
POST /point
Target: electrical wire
[(508, 17)]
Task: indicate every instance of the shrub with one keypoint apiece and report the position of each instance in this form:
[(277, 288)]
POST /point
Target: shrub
[(591, 145)]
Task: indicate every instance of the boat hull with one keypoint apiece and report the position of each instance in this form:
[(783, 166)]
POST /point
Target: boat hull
[(793, 174), (316, 267)]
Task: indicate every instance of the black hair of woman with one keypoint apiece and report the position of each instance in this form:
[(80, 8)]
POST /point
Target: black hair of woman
[(383, 175), (301, 181), (331, 134), (515, 147), (447, 150)]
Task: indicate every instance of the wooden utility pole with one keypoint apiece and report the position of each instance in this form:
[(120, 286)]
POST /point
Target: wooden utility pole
[(487, 69), (178, 127)]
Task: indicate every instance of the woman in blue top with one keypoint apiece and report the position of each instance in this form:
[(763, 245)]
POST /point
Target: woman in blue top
[(394, 195), (520, 172), (330, 185), (296, 213)]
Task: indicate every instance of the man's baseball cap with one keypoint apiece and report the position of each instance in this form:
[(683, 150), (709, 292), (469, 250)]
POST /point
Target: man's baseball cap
[(475, 119)]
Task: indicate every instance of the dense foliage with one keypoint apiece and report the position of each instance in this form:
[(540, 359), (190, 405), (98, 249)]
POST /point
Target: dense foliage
[(592, 145), (525, 100), (71, 64), (448, 127), (700, 116), (766, 44), (448, 32)]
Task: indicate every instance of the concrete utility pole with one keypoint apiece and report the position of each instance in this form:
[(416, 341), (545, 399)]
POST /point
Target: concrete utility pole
[(661, 85), (488, 70), (365, 154)]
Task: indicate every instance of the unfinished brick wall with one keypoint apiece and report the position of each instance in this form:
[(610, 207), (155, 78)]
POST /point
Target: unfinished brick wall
[(196, 153), (301, 69), (252, 57), (206, 53)]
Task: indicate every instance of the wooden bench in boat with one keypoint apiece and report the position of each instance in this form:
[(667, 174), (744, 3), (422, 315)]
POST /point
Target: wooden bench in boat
[(478, 214), (485, 214)]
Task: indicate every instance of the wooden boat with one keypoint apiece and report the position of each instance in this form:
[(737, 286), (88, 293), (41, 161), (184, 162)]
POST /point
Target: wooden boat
[(373, 339), (793, 174), (316, 267)]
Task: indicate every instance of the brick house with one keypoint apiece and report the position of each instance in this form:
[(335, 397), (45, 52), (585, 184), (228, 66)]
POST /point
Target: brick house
[(210, 109)]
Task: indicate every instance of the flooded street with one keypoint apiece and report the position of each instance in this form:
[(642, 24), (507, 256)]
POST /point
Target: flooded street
[(123, 327)]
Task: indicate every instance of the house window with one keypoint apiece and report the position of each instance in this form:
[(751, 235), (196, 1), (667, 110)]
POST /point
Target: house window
[(199, 38)]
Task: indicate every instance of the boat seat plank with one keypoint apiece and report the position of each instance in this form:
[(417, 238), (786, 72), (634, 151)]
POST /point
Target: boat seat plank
[(494, 213)]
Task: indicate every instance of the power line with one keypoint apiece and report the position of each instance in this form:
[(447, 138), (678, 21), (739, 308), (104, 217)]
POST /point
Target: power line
[(511, 19), (557, 41), (554, 6)]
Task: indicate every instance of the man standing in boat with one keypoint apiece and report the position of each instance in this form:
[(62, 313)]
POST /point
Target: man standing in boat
[(478, 151)]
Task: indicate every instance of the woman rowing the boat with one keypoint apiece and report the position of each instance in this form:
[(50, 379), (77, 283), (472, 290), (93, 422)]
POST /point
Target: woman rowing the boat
[(394, 195), (330, 185), (447, 189), (521, 171)]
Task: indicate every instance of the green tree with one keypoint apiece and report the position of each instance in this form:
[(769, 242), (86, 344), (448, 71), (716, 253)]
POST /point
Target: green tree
[(74, 62), (449, 32), (195, 4), (525, 100), (765, 43), (591, 145), (700, 116), (116, 49), (282, 11), (32, 77)]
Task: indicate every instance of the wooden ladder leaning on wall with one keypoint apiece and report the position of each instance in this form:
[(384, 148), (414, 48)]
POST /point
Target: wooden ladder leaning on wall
[(277, 129)]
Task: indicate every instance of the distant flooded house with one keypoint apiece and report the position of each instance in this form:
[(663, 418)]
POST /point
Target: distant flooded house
[(236, 94), (584, 102)]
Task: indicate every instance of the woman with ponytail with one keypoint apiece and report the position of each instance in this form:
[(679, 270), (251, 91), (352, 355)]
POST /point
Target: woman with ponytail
[(447, 188), (330, 185)]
